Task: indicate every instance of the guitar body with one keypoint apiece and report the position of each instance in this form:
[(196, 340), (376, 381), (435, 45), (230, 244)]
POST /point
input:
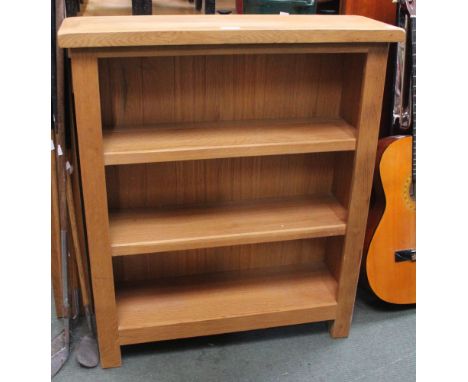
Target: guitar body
[(392, 225)]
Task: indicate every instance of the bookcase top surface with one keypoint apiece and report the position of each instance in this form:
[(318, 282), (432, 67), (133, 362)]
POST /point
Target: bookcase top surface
[(124, 31)]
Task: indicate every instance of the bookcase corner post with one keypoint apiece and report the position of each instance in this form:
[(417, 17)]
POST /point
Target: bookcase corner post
[(88, 118), (368, 122)]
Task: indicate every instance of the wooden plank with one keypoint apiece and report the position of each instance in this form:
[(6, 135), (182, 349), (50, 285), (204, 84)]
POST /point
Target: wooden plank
[(78, 201), (220, 50), (58, 105), (224, 302), (88, 117), (56, 257), (114, 31), (193, 141), (146, 231), (368, 129)]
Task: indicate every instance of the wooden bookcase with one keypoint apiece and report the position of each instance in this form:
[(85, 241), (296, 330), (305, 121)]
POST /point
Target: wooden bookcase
[(226, 169)]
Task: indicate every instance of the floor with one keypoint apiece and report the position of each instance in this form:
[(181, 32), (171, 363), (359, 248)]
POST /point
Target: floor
[(381, 348)]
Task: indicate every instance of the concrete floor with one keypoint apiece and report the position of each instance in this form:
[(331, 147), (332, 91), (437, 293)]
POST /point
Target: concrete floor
[(381, 348)]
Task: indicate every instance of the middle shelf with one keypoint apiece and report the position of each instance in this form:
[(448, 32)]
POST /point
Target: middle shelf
[(225, 139), (138, 231)]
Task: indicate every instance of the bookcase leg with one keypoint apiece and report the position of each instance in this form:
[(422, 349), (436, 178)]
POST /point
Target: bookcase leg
[(88, 118), (340, 329), (367, 123)]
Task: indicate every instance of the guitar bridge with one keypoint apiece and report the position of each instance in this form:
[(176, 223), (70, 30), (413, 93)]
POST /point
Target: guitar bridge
[(405, 255)]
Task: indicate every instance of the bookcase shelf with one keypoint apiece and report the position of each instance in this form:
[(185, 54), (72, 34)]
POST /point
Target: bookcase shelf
[(226, 172), (223, 139), (225, 301), (146, 231)]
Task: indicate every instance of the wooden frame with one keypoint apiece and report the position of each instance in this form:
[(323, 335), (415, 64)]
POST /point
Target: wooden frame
[(203, 254)]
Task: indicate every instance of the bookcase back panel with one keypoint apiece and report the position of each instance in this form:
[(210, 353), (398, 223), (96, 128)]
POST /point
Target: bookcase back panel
[(265, 255), (149, 90), (152, 90), (219, 180)]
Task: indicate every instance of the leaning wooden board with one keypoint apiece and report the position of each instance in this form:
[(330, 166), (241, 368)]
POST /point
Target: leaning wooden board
[(223, 262)]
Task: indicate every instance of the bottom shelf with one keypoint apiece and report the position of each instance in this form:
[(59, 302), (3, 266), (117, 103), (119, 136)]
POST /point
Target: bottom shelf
[(225, 302)]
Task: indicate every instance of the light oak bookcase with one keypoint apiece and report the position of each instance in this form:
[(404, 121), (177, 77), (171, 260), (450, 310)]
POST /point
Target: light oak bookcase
[(226, 168)]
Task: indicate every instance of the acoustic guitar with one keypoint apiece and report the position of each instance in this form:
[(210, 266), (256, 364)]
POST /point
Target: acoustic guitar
[(390, 265)]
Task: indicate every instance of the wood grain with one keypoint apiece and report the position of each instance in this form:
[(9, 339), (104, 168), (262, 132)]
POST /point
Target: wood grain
[(88, 117), (147, 267), (219, 180), (342, 176), (352, 87), (219, 29), (224, 302), (207, 140), (368, 126), (146, 231), (333, 255), (350, 111), (155, 90)]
